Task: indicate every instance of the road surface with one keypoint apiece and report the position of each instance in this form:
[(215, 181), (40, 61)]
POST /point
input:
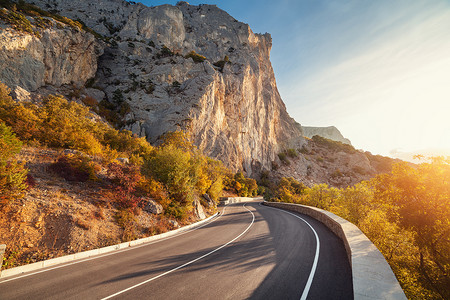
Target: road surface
[(249, 252)]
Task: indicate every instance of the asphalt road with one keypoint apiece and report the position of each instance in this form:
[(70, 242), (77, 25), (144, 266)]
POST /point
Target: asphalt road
[(249, 252)]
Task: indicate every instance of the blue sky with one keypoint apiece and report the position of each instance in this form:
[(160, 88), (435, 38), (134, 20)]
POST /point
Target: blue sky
[(377, 70)]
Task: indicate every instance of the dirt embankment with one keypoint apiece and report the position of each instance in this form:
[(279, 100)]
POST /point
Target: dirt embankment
[(56, 217)]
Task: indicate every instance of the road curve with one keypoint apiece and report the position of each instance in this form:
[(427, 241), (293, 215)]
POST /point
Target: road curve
[(249, 252)]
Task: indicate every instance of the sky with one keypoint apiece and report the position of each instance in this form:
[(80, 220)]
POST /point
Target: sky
[(377, 70)]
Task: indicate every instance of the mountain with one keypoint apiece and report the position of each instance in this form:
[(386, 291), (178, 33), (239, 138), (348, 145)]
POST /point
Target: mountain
[(329, 132), (153, 70), (185, 67)]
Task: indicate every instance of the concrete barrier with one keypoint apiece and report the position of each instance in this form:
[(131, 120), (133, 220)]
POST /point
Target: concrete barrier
[(2, 251), (230, 200), (85, 254), (371, 274)]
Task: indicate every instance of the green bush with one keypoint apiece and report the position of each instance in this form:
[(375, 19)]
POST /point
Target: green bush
[(176, 210), (184, 172), (13, 175), (291, 153), (283, 157)]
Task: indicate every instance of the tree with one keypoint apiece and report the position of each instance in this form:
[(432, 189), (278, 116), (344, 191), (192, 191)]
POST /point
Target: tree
[(419, 198), (12, 174), (321, 196)]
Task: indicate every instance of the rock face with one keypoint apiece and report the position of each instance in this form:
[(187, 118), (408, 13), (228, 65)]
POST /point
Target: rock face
[(227, 100), (198, 210), (62, 55), (152, 206), (329, 132)]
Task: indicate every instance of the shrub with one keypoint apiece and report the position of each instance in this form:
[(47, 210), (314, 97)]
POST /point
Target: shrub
[(221, 63), (126, 220), (244, 187), (89, 101), (159, 226), (172, 166), (75, 167), (289, 190), (165, 52), (62, 124), (304, 150), (283, 157), (17, 20), (291, 153), (333, 145), (336, 174), (176, 210), (195, 57), (13, 175), (125, 179)]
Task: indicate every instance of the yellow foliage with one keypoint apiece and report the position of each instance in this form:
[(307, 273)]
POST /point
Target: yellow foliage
[(406, 214)]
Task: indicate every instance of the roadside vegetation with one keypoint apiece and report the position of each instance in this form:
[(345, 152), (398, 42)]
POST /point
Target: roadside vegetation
[(122, 170), (406, 214)]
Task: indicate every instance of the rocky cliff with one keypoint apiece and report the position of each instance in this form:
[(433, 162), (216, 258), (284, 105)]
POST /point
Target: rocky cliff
[(186, 67), (329, 132), (166, 68), (55, 55)]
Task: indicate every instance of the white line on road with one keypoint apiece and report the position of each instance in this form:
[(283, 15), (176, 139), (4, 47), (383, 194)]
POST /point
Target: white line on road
[(115, 252), (316, 257), (186, 264)]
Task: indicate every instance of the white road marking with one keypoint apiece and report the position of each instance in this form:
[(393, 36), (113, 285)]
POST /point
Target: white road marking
[(186, 264), (316, 257), (114, 252)]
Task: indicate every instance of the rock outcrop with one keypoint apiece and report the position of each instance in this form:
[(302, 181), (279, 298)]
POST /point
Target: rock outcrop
[(61, 55), (224, 93), (329, 132)]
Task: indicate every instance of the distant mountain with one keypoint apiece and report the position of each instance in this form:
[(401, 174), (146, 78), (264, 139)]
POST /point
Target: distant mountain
[(411, 156), (329, 132)]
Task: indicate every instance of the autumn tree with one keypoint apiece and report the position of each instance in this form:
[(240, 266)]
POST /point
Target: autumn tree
[(12, 174), (419, 199)]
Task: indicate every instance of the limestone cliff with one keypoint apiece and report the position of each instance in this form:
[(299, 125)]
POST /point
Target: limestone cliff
[(329, 132), (167, 67), (59, 54), (224, 94)]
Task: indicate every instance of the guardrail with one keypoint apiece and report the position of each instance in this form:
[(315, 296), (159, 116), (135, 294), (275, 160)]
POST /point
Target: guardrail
[(371, 274), (230, 200), (2, 251)]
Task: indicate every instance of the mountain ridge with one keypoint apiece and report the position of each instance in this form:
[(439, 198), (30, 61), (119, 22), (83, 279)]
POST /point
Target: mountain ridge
[(167, 68)]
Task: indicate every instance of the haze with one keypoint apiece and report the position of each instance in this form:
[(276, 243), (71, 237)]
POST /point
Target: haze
[(377, 70)]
